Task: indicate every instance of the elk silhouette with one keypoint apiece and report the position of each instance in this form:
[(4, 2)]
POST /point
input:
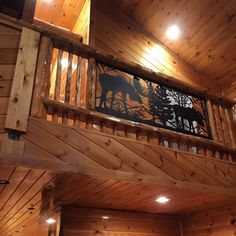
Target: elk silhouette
[(117, 84), (189, 114)]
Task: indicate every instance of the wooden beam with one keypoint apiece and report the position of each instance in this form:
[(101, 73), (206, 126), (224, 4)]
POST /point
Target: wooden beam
[(50, 28), (28, 12), (37, 162), (42, 78), (20, 100)]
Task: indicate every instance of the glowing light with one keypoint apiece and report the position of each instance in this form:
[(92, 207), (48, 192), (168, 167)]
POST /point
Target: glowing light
[(64, 64), (50, 221), (105, 217), (156, 53), (47, 1), (173, 32), (162, 200), (154, 56), (114, 119)]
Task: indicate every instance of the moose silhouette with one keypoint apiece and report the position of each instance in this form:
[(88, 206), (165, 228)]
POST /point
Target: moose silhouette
[(189, 114), (117, 84)]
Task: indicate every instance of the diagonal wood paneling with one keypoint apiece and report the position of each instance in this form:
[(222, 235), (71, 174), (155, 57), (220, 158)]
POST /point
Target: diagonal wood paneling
[(119, 153)]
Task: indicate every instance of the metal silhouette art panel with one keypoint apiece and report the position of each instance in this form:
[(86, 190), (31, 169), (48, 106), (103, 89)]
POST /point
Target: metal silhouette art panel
[(129, 97)]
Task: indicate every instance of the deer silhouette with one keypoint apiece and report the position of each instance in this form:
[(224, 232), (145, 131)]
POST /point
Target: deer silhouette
[(189, 114), (117, 84)]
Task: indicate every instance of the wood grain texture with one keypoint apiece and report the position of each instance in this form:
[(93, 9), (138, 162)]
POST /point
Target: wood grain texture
[(9, 43), (82, 221), (207, 33), (82, 24), (214, 222), (117, 35), (62, 13), (18, 109), (23, 192)]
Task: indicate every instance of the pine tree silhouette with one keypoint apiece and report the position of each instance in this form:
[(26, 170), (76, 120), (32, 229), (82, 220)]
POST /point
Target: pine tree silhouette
[(163, 107), (152, 101)]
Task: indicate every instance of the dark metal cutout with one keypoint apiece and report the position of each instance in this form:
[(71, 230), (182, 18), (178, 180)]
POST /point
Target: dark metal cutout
[(128, 97)]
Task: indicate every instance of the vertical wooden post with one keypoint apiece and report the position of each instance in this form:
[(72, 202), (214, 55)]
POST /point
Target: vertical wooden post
[(79, 73), (91, 80), (58, 76), (68, 78), (231, 121), (218, 123), (211, 120), (224, 125), (42, 78), (92, 26), (29, 9), (23, 80)]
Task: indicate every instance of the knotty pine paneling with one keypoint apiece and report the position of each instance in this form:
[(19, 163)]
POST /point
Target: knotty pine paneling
[(116, 34), (9, 43), (23, 192), (63, 13), (82, 23), (207, 33), (127, 155), (214, 222), (87, 222)]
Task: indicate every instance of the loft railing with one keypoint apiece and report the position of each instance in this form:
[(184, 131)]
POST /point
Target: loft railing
[(66, 92)]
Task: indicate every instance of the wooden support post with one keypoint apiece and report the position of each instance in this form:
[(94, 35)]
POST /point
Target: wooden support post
[(79, 73), (68, 78), (21, 93), (218, 123), (211, 120), (58, 76), (91, 80), (42, 78), (28, 12), (225, 133), (231, 127)]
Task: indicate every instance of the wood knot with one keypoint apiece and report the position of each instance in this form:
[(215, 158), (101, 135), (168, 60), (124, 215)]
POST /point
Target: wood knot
[(15, 99), (232, 222)]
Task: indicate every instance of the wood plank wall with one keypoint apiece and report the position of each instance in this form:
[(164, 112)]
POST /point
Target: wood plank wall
[(116, 34), (215, 222), (81, 25), (85, 221), (9, 43)]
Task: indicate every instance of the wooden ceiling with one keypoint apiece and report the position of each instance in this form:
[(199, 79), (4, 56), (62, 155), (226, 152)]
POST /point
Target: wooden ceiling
[(21, 199), (208, 33), (63, 13), (111, 194)]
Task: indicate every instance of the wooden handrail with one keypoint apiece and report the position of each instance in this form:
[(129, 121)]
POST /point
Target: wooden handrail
[(62, 40)]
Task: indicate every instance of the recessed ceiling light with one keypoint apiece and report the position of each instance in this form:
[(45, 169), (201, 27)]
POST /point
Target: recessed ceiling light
[(50, 221), (173, 32), (4, 181), (162, 199), (105, 217)]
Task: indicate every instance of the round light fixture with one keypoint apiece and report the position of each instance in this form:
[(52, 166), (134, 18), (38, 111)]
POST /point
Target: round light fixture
[(162, 200), (173, 32), (50, 221)]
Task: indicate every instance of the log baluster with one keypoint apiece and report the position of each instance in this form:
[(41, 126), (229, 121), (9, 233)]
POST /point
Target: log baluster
[(58, 76), (68, 79)]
